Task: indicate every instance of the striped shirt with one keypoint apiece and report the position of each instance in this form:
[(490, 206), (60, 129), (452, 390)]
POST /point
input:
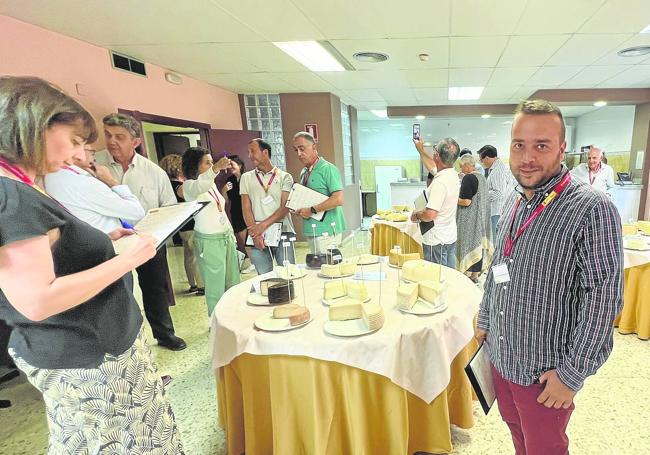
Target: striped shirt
[(500, 185), (565, 287)]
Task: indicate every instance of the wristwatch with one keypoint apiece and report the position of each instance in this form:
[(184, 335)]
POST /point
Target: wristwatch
[(313, 210)]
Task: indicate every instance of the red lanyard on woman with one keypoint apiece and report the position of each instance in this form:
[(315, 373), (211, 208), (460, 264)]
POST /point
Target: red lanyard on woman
[(557, 189), (305, 178), (216, 199), (17, 172), (268, 185)]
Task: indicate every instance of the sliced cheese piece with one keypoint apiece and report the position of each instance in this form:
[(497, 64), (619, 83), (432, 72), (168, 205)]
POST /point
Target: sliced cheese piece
[(330, 270), (285, 311), (356, 290), (407, 295), (373, 316), (299, 316), (430, 290), (334, 289), (348, 268), (345, 310), (420, 270)]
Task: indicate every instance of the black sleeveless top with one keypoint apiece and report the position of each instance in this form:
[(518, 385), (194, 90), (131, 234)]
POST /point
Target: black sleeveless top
[(80, 336)]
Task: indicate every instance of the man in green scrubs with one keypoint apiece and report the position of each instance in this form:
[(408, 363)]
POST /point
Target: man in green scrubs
[(322, 176)]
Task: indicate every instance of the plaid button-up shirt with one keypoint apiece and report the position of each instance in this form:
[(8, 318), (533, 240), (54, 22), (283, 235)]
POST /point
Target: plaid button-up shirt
[(565, 287)]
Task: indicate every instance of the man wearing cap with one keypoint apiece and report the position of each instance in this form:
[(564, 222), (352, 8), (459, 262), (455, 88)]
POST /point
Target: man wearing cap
[(264, 192)]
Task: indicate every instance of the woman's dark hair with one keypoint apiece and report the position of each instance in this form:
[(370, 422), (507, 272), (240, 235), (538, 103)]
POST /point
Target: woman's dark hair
[(238, 160), (191, 160)]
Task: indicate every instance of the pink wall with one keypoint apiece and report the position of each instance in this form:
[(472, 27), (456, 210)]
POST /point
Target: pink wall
[(29, 50)]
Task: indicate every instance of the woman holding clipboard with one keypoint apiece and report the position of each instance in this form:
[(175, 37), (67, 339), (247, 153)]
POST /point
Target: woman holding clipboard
[(214, 240)]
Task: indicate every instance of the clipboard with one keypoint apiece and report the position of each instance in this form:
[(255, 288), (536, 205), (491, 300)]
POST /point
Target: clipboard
[(479, 372), (162, 223), (271, 236), (301, 196), (421, 204)]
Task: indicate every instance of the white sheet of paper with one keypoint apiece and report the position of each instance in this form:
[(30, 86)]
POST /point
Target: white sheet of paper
[(501, 274), (301, 197), (271, 236), (160, 223), (421, 201)]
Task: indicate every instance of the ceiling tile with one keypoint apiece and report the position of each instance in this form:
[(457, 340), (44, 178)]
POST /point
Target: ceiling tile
[(501, 94), (583, 50), (511, 76), (636, 76), (365, 79), (403, 53), (469, 77), (365, 95), (228, 81), (428, 78), (481, 18), (470, 52), (398, 96), (267, 82), (532, 50), (551, 17), (306, 81), (430, 95), (552, 76), (591, 76), (619, 16), (613, 59), (282, 16), (523, 93)]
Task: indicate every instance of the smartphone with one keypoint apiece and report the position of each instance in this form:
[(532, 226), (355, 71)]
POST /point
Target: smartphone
[(416, 131)]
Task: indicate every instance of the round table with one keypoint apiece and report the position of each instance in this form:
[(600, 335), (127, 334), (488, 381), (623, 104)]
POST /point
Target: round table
[(386, 234), (303, 391)]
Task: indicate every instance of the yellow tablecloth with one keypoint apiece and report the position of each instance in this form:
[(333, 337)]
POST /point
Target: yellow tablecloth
[(284, 404), (635, 317), (385, 236)]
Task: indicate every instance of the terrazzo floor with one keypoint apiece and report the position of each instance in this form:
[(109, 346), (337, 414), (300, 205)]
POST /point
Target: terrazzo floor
[(611, 416)]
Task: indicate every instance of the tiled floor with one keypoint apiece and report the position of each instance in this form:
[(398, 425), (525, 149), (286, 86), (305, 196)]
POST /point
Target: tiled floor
[(611, 414)]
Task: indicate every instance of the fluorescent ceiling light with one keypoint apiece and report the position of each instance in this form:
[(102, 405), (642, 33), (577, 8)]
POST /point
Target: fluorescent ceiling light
[(486, 116), (381, 113), (464, 93), (600, 103), (646, 29), (311, 54), (420, 117)]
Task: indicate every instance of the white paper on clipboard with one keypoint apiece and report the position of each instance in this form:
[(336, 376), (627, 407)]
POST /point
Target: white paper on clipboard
[(420, 202), (301, 197), (271, 236)]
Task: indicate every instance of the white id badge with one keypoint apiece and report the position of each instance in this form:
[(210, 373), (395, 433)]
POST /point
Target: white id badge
[(501, 274), (267, 200), (222, 218)]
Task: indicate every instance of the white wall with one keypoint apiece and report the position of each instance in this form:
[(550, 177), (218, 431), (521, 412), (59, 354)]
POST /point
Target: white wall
[(391, 139), (609, 128)]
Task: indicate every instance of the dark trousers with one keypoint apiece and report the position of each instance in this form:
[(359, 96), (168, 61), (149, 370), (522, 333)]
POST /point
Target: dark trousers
[(535, 429), (152, 277)]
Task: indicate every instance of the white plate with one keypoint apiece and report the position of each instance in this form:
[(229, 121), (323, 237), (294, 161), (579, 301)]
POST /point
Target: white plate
[(350, 328), (647, 248), (335, 277), (302, 273), (269, 324), (394, 266), (423, 308), (374, 261), (257, 299), (328, 302)]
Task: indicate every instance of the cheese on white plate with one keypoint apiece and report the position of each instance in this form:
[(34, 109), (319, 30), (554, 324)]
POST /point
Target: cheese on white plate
[(334, 289), (345, 310), (356, 290), (407, 295), (430, 290), (420, 270), (330, 270), (373, 316)]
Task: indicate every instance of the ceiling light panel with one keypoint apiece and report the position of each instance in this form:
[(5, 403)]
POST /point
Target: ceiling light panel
[(464, 93), (310, 54)]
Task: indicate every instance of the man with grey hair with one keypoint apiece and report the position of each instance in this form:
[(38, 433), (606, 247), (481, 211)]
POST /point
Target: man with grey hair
[(150, 184), (439, 242), (597, 174)]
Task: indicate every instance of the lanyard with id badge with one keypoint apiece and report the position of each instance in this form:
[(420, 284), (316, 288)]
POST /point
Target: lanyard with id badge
[(268, 199), (500, 271), (222, 215)]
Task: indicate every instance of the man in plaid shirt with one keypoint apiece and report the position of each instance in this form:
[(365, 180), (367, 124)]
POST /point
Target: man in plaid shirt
[(554, 287)]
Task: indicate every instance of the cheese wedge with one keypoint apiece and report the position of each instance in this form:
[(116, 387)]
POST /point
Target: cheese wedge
[(299, 316), (290, 272), (420, 270), (429, 290), (334, 289), (398, 259), (330, 270), (407, 295), (373, 316), (285, 311), (345, 310), (348, 268), (356, 291)]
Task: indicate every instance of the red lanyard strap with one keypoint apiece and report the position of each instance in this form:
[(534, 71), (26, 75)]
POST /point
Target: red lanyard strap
[(216, 199), (268, 185), (557, 189), (16, 172), (305, 178)]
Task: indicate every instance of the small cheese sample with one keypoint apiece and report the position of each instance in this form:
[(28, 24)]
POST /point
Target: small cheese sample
[(635, 243), (300, 316), (264, 284), (420, 270), (367, 259), (407, 295), (285, 311), (281, 292), (330, 270), (429, 290), (348, 268), (373, 316), (290, 272), (345, 310), (356, 291), (334, 289), (398, 259)]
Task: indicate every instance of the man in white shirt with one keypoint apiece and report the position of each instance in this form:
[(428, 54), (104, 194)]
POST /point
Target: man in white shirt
[(264, 192), (150, 184), (500, 182), (439, 242), (594, 172), (93, 195)]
